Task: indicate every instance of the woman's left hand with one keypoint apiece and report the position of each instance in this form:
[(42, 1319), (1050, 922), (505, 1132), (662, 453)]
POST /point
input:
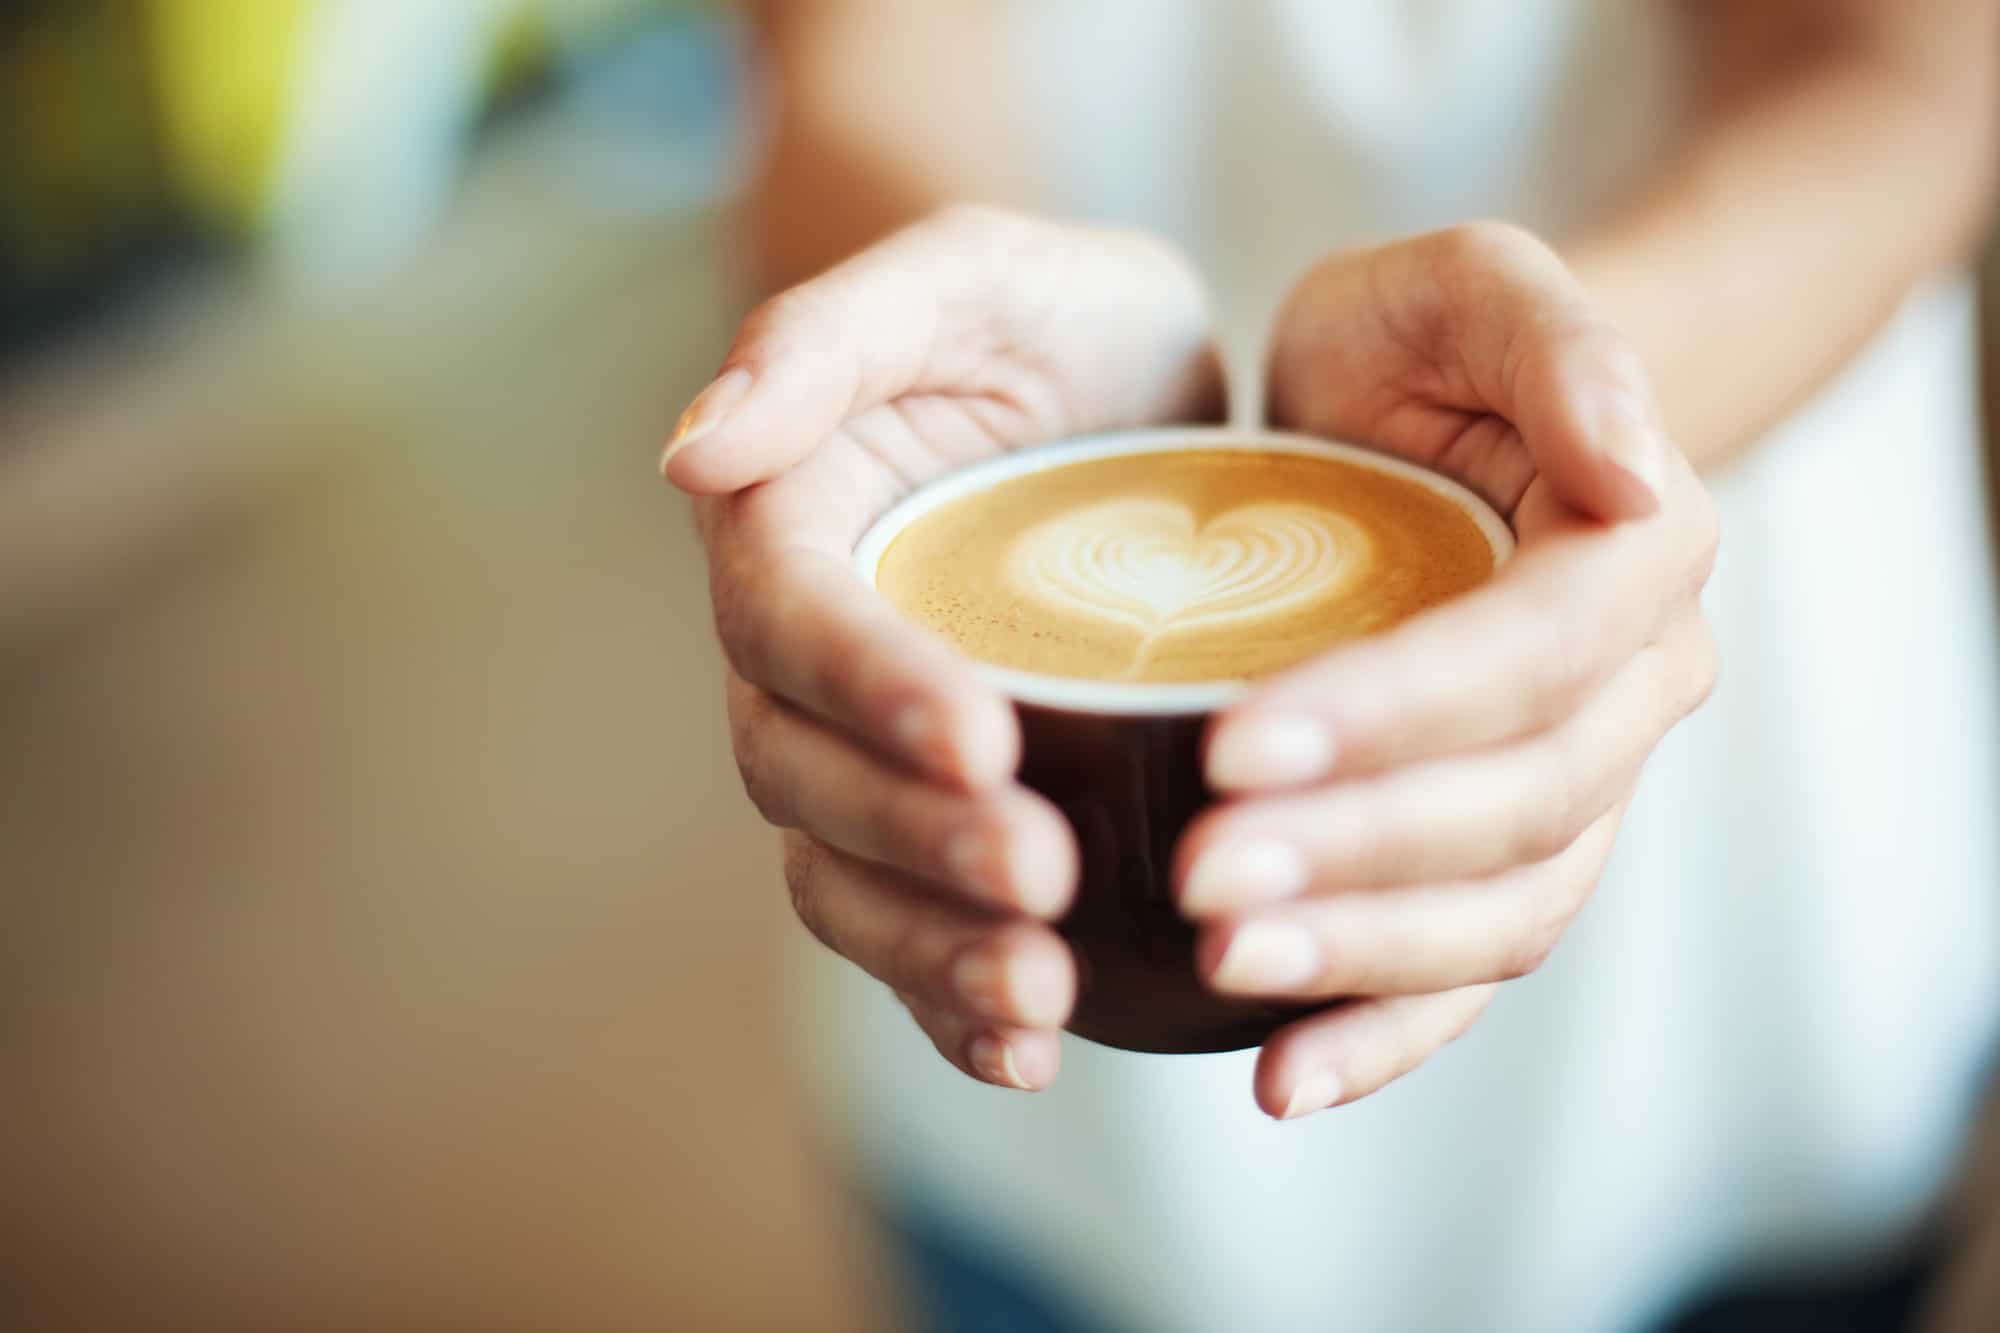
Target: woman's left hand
[(1418, 816)]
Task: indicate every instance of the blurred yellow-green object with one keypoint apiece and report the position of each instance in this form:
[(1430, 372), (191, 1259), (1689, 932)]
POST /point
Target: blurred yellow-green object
[(227, 73), (224, 70), (228, 70), (130, 126), (109, 99)]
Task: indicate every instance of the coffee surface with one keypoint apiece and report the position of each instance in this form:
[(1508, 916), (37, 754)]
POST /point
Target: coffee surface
[(1204, 565)]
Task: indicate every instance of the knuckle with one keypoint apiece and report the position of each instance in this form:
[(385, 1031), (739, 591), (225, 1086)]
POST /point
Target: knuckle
[(882, 816), (1475, 1000), (772, 324), (748, 729), (947, 1036), (800, 321), (913, 956), (1348, 963), (823, 667), (1483, 244), (1707, 665), (805, 883), (1533, 945), (1526, 955), (1540, 832), (981, 221), (1554, 904), (1570, 887), (1707, 538), (743, 706), (1614, 353), (1586, 336), (1360, 832), (1419, 697), (1545, 357), (838, 683), (757, 326), (778, 316), (1549, 819), (738, 590), (765, 619), (1563, 664), (765, 793), (1554, 894)]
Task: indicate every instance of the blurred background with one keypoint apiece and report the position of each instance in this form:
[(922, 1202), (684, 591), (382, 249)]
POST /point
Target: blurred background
[(381, 944), (383, 940)]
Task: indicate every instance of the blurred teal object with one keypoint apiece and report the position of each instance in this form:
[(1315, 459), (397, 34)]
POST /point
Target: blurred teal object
[(656, 122)]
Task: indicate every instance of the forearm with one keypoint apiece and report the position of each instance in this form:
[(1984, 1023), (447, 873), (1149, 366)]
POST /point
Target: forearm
[(876, 113), (1802, 210)]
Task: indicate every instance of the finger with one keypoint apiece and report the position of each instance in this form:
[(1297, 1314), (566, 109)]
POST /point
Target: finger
[(941, 307), (1003, 845), (799, 624), (944, 953), (1464, 815), (1025, 1059), (1351, 1050), (1411, 940), (1508, 659)]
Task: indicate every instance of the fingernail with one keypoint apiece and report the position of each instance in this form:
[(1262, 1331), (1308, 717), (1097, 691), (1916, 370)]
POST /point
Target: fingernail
[(706, 412), (1267, 957), (1270, 751), (1242, 873), (1316, 1092), (993, 1060)]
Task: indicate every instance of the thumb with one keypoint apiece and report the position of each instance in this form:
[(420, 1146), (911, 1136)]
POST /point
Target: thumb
[(812, 357), (1408, 345), (1581, 402), (1544, 358), (1037, 329)]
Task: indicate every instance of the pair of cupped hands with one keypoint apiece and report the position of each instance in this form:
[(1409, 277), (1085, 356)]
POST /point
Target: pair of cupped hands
[(1407, 821)]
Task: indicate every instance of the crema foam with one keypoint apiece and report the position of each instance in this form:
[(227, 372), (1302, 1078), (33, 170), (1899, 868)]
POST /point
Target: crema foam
[(1196, 565)]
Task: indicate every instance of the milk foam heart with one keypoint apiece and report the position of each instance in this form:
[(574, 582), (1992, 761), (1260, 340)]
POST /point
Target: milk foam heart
[(1147, 563), (1196, 565)]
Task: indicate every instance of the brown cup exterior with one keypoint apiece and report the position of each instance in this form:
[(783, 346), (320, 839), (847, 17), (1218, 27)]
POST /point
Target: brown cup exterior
[(1129, 782), (1129, 786)]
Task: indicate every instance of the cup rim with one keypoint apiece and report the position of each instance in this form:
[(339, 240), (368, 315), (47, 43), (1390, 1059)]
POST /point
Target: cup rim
[(1125, 698)]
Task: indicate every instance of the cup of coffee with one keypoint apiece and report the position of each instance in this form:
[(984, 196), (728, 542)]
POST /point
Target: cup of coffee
[(1123, 588)]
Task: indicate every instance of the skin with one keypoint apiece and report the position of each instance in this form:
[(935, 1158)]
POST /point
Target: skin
[(1414, 819)]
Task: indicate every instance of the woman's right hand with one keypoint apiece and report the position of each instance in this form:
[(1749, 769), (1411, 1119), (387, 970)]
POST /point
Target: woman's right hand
[(909, 847)]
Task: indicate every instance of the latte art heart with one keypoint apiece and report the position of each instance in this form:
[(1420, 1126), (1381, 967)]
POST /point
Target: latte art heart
[(1177, 565), (1146, 563)]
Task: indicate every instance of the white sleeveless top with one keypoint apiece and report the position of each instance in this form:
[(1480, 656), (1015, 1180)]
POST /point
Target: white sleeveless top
[(1762, 1038)]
